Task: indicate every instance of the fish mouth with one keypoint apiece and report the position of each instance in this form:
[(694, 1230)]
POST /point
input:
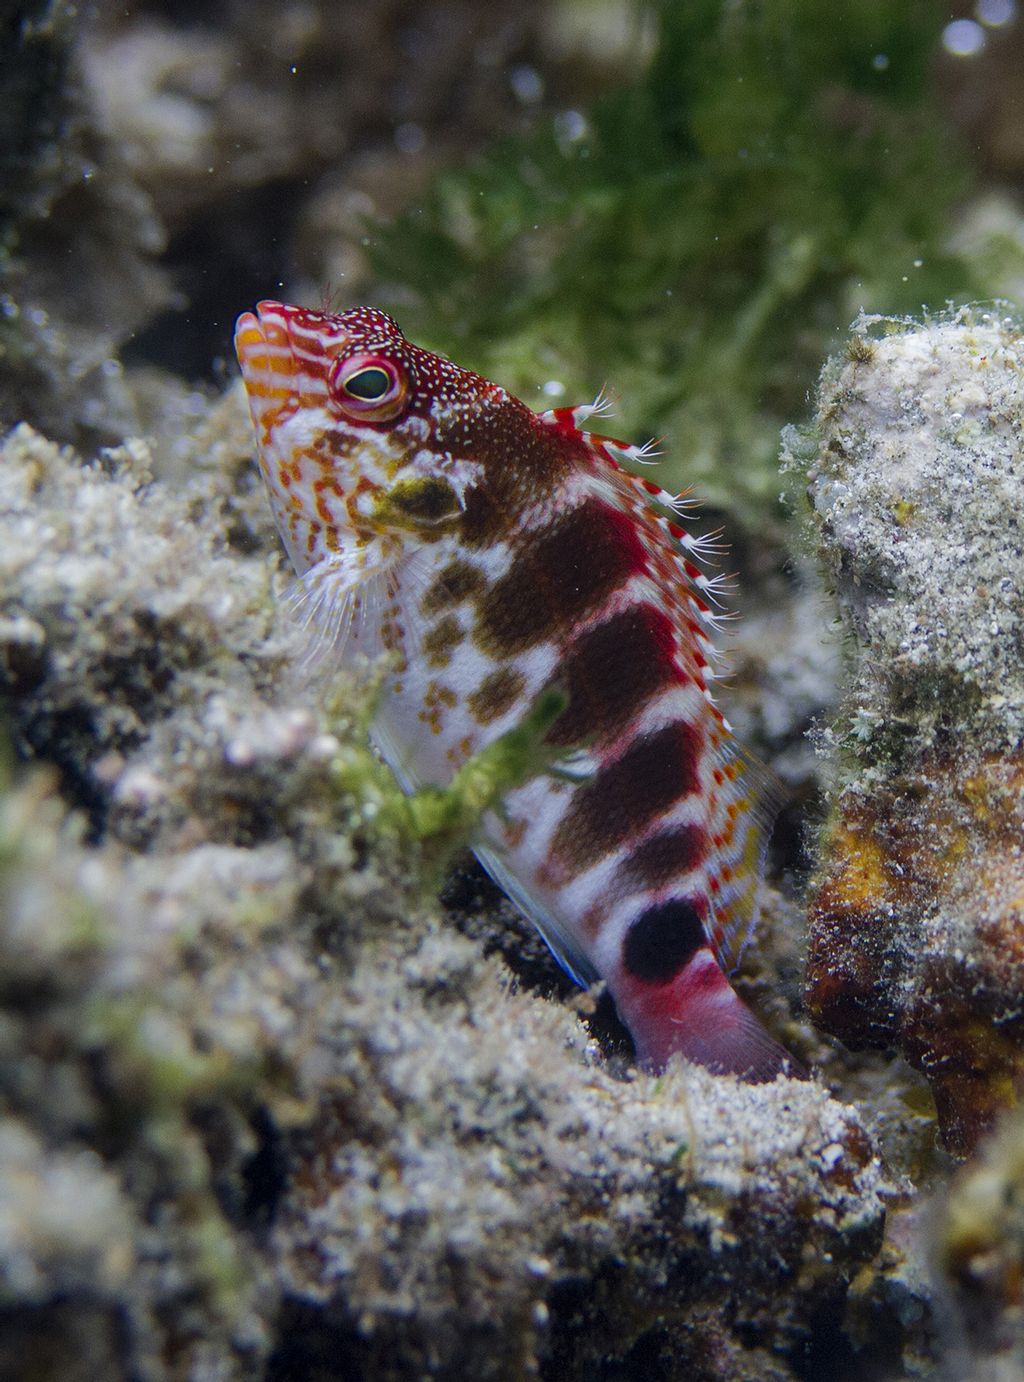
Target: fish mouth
[(249, 339), (286, 348)]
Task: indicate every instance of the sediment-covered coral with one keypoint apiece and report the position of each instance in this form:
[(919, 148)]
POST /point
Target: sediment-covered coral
[(265, 1112), (205, 110), (78, 238), (916, 921)]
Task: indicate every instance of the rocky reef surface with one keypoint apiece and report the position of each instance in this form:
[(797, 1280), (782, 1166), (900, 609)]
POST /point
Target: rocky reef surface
[(264, 1112), (916, 921), (267, 1112)]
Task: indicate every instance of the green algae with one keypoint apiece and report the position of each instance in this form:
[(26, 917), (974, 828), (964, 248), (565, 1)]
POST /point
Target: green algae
[(453, 812), (704, 231)]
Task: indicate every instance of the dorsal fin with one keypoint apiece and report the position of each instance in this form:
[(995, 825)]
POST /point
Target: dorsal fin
[(747, 803), (745, 793), (676, 555)]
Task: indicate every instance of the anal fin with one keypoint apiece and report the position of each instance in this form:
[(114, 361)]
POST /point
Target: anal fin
[(560, 942)]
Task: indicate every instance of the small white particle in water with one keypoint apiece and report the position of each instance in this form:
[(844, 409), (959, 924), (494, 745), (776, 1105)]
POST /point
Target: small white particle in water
[(324, 747), (527, 85), (880, 62), (570, 127), (554, 388), (239, 753), (963, 38), (996, 13), (918, 263), (410, 138)]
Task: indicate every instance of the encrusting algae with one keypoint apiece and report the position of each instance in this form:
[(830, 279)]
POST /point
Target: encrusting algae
[(978, 1245)]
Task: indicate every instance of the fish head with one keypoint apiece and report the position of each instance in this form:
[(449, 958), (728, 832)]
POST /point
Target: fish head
[(365, 437)]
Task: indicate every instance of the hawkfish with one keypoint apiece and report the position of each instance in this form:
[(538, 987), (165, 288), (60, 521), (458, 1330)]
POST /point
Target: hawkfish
[(495, 552)]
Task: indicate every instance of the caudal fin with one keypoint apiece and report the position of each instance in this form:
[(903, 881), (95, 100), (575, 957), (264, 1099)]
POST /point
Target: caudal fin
[(698, 1015)]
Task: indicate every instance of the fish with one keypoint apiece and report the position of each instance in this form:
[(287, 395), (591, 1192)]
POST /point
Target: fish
[(495, 552)]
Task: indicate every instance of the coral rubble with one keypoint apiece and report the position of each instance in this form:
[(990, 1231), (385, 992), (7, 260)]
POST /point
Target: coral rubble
[(78, 238), (152, 164), (916, 921)]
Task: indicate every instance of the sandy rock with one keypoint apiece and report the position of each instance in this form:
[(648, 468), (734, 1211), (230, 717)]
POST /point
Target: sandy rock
[(915, 921)]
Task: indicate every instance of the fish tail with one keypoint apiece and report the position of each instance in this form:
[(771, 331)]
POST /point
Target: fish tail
[(699, 1016)]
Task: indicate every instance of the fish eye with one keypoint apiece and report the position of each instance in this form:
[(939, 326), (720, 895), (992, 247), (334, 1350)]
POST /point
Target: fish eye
[(369, 384), (369, 387)]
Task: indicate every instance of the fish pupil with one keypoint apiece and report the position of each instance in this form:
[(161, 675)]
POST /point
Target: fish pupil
[(369, 384)]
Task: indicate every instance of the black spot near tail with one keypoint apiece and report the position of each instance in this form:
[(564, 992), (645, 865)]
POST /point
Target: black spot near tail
[(663, 940)]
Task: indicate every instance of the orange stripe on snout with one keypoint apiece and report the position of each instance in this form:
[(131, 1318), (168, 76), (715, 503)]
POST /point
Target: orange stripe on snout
[(269, 364), (256, 390)]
